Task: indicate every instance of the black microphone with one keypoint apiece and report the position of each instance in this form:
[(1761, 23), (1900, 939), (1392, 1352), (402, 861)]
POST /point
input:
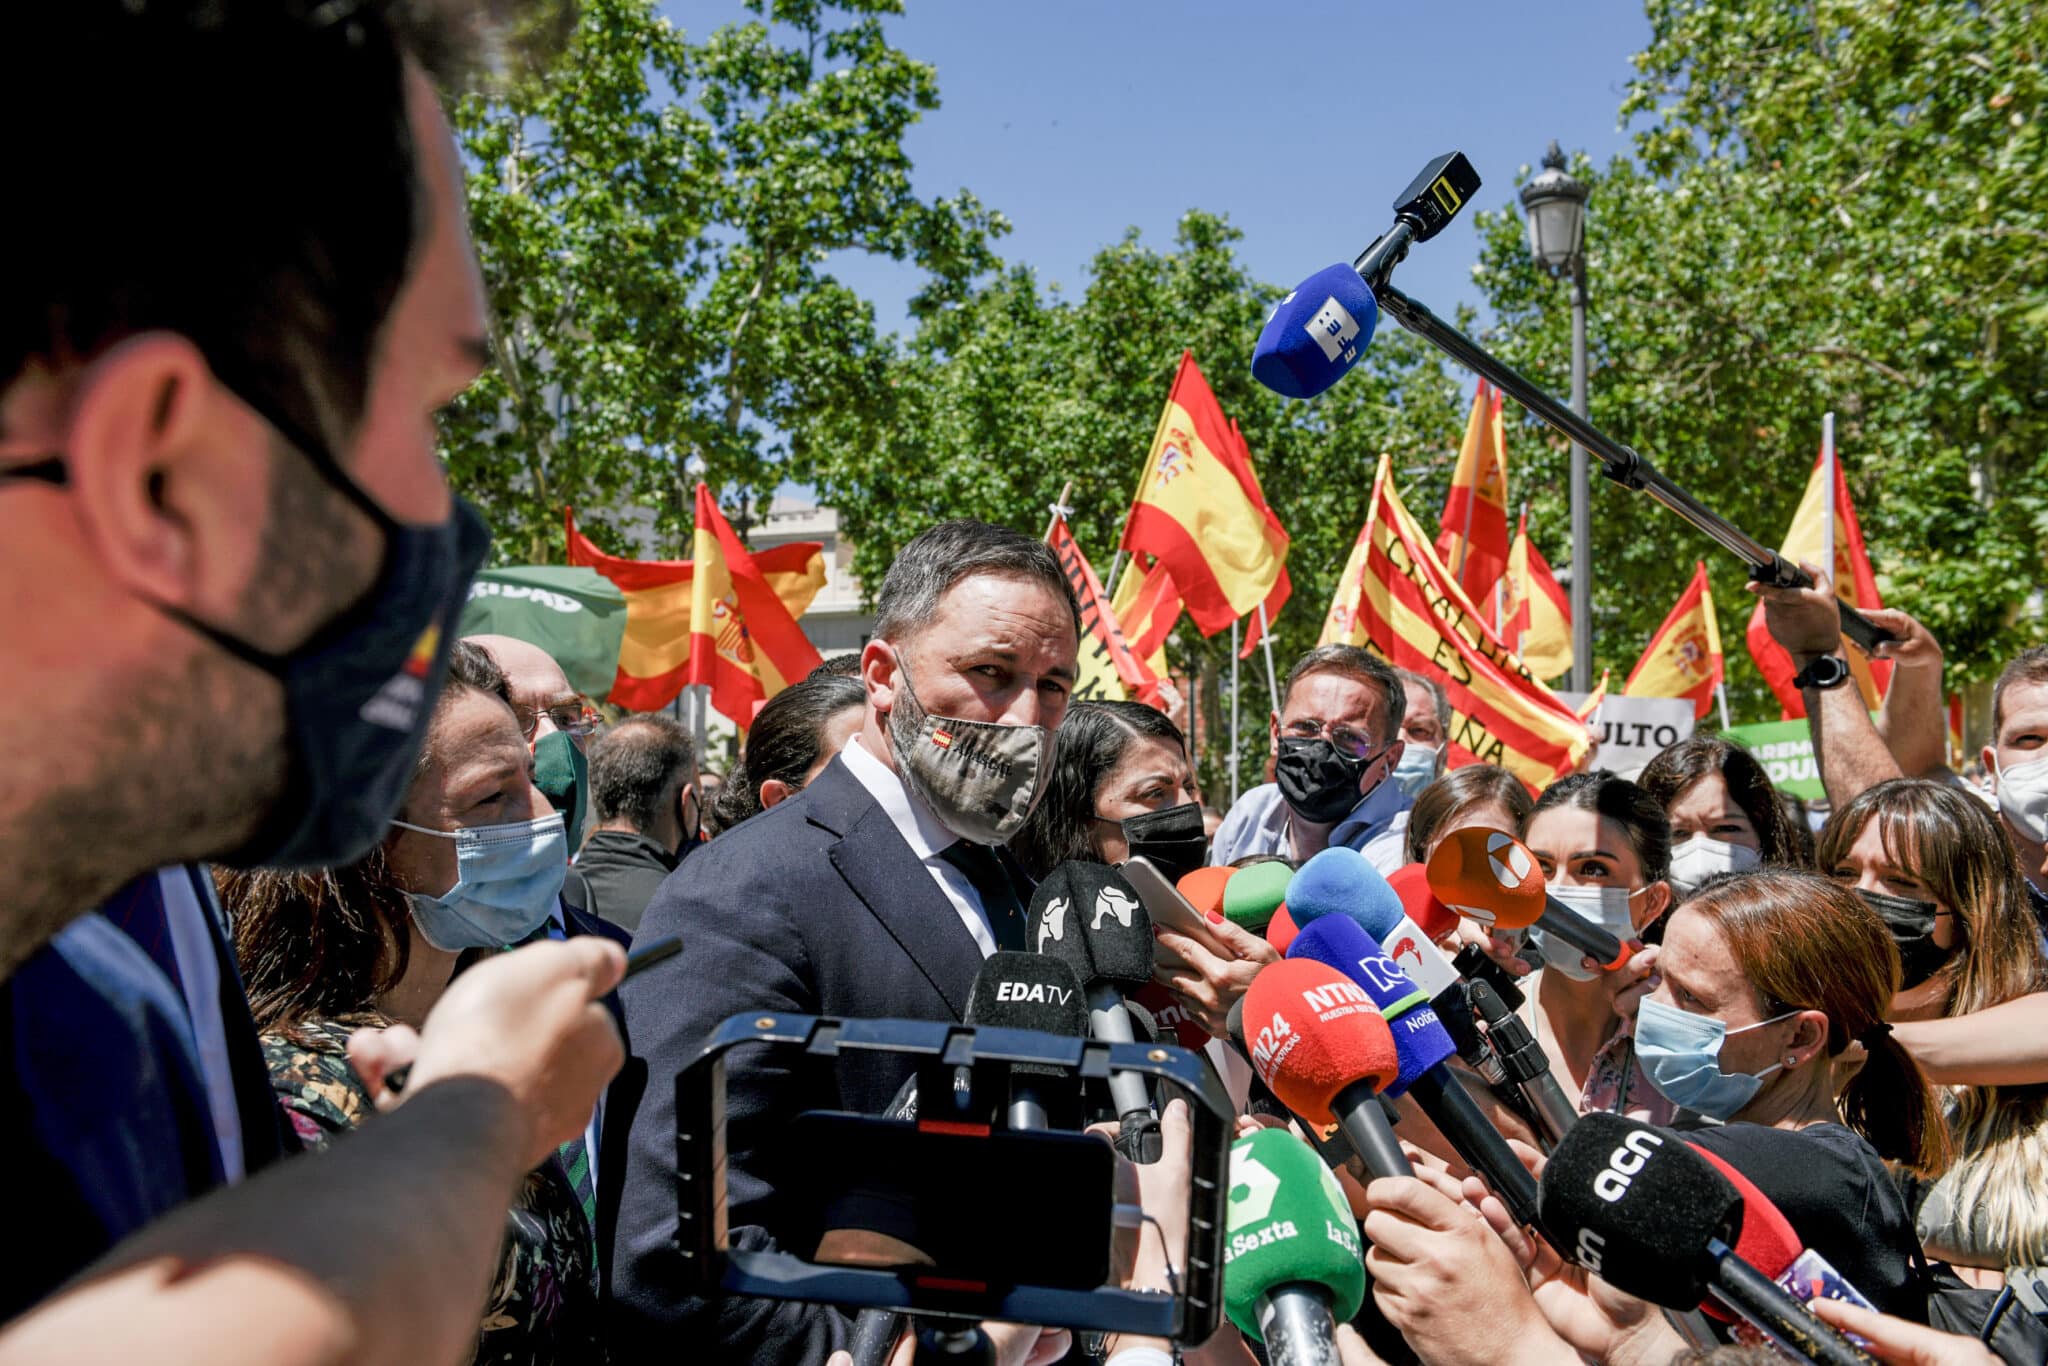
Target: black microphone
[(1636, 1205), (1523, 1062), (1089, 917), (1017, 990)]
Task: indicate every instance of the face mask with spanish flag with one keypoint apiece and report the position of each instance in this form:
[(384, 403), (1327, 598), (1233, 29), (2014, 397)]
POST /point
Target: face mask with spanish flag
[(980, 778)]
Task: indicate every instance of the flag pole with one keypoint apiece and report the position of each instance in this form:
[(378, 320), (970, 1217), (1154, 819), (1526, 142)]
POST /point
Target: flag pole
[(1266, 639), (1059, 509), (1234, 662), (1721, 696), (1827, 479)]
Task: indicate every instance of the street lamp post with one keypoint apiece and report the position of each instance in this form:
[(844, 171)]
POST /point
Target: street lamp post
[(1556, 205)]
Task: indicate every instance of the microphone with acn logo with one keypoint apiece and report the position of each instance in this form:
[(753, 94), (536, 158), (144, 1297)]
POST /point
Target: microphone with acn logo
[(1291, 1254), (1087, 916), (1639, 1207), (1771, 1245), (1320, 1044), (1492, 877)]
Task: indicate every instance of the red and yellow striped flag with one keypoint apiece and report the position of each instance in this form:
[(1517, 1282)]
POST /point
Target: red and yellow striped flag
[(1535, 615), (1955, 730), (732, 625), (1199, 513), (1415, 615), (1684, 658), (1147, 607), (1474, 539), (1109, 670), (1341, 625), (1855, 584)]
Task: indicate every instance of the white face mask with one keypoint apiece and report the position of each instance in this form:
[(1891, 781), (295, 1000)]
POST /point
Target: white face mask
[(2023, 796), (1607, 907), (1700, 858)]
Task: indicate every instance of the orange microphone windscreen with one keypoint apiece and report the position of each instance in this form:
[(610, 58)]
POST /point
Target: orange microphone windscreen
[(1312, 1032), (1488, 875), (1203, 888), (1428, 914)]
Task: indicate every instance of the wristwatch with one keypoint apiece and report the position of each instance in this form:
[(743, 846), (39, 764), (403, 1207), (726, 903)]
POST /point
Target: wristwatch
[(1826, 671)]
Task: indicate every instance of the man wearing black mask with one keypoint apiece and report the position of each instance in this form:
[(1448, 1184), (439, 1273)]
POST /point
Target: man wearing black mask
[(1336, 741)]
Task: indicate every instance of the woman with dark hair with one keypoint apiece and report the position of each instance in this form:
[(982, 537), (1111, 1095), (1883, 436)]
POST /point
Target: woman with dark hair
[(1766, 981), (1605, 850), (1724, 812), (473, 863), (1933, 864), (792, 739), (1115, 761), (1481, 796)]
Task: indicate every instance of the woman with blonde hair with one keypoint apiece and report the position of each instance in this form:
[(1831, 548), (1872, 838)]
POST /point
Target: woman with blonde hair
[(1932, 862)]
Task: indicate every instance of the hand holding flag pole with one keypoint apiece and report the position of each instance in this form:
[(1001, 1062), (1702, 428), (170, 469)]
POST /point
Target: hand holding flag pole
[(1429, 203)]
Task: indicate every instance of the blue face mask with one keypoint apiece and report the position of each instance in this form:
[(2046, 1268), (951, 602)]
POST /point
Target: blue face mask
[(507, 878), (1416, 770), (1681, 1055)]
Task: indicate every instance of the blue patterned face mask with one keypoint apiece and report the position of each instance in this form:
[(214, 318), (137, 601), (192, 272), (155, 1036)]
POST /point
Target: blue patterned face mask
[(507, 879), (1680, 1053)]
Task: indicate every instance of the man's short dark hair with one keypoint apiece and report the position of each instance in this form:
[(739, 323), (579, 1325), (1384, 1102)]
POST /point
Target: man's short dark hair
[(239, 172), (1353, 661), (937, 559), (637, 767), (2029, 666), (1440, 701)]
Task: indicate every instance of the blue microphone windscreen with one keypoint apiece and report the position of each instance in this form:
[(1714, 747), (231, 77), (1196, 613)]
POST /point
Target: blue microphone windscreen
[(1420, 1039), (1316, 334), (1342, 881)]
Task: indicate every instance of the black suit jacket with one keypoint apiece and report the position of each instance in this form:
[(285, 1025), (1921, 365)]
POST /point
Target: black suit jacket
[(817, 906)]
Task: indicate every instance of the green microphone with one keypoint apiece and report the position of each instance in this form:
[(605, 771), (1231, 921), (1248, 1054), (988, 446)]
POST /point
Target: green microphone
[(1291, 1260), (1255, 893)]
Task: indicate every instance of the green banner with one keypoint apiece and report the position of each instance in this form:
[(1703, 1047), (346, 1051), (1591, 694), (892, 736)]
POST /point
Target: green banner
[(1785, 748), (576, 615)]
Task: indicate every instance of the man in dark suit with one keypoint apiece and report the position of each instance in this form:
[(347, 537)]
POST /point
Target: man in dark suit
[(874, 893)]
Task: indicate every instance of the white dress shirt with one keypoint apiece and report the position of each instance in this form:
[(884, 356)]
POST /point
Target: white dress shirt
[(924, 834)]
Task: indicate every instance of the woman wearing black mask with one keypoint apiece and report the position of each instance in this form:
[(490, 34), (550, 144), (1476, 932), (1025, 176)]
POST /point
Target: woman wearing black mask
[(1121, 785), (1933, 863)]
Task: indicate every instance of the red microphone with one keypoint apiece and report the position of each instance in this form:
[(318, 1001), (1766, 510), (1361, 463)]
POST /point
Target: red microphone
[(1168, 1013), (1428, 914), (1280, 930), (1319, 1044)]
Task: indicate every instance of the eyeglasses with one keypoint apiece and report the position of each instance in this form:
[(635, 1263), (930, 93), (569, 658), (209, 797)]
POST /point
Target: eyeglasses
[(1355, 744), (576, 718)]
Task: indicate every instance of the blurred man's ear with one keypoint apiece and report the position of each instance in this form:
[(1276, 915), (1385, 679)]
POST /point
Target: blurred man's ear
[(774, 791)]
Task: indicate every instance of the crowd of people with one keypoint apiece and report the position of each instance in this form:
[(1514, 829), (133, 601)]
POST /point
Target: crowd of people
[(321, 1046)]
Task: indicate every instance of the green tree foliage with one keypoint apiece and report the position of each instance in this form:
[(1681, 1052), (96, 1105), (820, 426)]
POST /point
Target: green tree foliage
[(655, 220), (1834, 205), (1001, 399)]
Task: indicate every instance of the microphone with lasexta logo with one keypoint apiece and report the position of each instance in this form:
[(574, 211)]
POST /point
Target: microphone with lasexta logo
[(1089, 917), (1636, 1205), (1292, 1269)]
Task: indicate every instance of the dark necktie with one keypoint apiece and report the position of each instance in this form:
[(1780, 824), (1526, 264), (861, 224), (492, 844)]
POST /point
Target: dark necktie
[(991, 882)]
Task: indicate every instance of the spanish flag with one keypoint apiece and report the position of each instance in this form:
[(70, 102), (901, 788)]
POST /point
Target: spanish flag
[(1341, 625), (725, 617), (1535, 616), (1855, 584), (1147, 607), (1109, 671), (1199, 514), (1474, 539), (1415, 615), (1684, 657), (1955, 730), (1589, 710)]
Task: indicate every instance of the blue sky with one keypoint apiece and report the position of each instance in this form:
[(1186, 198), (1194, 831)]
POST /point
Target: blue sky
[(1299, 121)]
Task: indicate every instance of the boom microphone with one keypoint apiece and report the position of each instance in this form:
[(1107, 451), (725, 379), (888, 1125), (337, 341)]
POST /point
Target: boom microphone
[(1636, 1205), (1291, 1257), (1316, 334), (1493, 878), (1088, 916), (1320, 1044), (1342, 881)]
